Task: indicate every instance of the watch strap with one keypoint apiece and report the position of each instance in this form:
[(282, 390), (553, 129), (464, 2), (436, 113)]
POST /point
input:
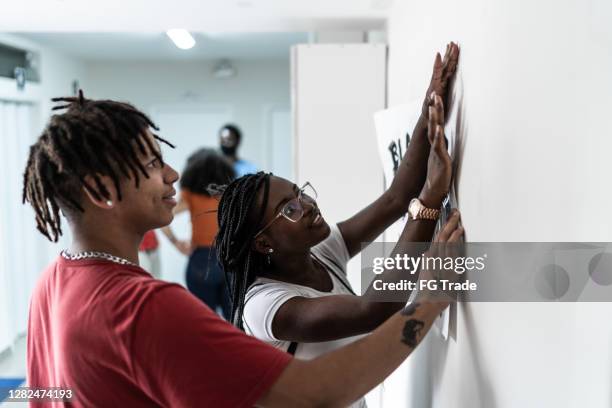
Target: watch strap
[(428, 214)]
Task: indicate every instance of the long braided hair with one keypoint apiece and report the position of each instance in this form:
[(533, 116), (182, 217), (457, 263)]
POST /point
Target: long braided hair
[(91, 138), (239, 220)]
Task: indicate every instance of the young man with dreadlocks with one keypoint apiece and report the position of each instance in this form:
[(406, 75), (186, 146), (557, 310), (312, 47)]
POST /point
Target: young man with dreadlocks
[(287, 267), (104, 328), (99, 324)]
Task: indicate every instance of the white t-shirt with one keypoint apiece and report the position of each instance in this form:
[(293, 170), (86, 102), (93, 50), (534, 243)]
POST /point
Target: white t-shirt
[(266, 296)]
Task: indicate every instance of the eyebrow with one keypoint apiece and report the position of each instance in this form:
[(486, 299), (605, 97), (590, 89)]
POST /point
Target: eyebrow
[(284, 200), (152, 156), (158, 150)]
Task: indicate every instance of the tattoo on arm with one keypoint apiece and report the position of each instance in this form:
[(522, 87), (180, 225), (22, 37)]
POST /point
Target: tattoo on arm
[(413, 327)]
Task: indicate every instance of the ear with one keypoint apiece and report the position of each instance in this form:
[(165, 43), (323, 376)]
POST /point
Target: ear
[(101, 185), (262, 245)]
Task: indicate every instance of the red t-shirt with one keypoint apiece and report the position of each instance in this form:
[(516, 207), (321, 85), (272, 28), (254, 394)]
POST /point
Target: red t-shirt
[(119, 338)]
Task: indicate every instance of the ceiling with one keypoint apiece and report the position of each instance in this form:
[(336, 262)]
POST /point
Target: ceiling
[(209, 16), (156, 46)]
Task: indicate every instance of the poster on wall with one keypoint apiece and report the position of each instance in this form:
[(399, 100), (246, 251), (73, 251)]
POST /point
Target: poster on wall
[(394, 127)]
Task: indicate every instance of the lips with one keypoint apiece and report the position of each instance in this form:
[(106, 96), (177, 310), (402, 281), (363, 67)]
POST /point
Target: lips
[(170, 195), (169, 198)]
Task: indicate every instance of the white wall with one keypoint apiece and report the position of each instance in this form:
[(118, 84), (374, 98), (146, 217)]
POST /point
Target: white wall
[(336, 89), (258, 86), (57, 71), (25, 251), (537, 92)]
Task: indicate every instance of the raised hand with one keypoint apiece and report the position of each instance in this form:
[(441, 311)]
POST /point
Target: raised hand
[(443, 72), (439, 165), (452, 231), (448, 244)]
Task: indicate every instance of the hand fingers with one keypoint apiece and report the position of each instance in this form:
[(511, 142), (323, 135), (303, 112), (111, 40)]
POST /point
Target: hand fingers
[(437, 63), (431, 98), (457, 235), (455, 53), (436, 116), (449, 228), (439, 144), (452, 49), (440, 149), (450, 65), (431, 126), (437, 68), (439, 108), (447, 54)]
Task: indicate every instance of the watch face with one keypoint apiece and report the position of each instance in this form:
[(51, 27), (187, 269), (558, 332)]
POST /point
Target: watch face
[(414, 207)]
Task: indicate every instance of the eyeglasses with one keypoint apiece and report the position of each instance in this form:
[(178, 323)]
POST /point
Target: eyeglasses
[(293, 210)]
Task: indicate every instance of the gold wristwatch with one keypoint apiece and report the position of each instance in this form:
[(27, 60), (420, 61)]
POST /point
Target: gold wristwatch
[(418, 211)]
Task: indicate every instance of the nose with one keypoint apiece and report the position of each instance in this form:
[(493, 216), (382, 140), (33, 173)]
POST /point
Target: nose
[(306, 204), (171, 175)]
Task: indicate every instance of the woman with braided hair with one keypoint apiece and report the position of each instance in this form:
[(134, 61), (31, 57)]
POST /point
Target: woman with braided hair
[(287, 267)]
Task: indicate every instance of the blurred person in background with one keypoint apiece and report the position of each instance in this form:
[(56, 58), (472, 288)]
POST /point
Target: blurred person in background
[(230, 138), (148, 254), (204, 278)]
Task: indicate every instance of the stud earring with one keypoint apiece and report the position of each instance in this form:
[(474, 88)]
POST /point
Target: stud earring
[(109, 202)]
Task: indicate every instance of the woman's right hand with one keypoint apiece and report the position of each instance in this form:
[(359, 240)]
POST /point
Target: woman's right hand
[(439, 165), (452, 231), (447, 244)]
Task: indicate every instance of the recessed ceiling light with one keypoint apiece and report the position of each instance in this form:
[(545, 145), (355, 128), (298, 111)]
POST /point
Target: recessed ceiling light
[(224, 69), (181, 38)]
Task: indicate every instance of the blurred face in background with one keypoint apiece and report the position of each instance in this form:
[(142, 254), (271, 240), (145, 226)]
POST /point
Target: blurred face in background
[(228, 140)]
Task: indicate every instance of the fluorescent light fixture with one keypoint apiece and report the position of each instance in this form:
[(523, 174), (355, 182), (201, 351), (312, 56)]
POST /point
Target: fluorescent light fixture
[(181, 38)]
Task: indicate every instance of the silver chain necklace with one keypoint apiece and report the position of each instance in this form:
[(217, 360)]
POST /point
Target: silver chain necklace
[(95, 254)]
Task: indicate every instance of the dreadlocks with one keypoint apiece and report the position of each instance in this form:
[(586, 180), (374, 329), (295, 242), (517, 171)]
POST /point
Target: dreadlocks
[(92, 138), (238, 224)]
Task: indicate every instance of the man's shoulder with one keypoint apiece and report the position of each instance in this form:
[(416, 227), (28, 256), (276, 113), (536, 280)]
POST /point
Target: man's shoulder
[(138, 289), (244, 167), (120, 290)]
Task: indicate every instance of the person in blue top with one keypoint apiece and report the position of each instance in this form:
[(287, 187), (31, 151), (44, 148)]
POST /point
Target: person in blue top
[(230, 137)]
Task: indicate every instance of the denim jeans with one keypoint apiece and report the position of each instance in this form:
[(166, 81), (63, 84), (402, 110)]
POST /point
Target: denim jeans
[(205, 280)]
